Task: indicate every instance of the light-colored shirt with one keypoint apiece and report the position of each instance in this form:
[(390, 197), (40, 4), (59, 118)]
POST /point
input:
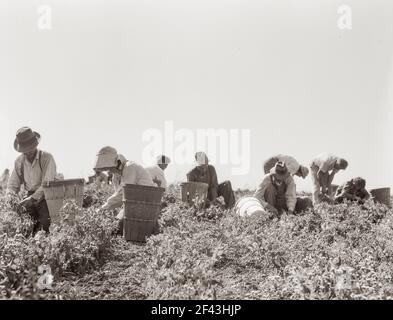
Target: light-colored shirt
[(290, 192), (34, 174), (132, 173), (4, 180), (290, 162), (325, 162), (158, 174)]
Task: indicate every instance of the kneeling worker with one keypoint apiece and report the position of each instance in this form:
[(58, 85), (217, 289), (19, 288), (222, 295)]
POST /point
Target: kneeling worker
[(124, 172), (277, 192), (353, 190), (206, 173)]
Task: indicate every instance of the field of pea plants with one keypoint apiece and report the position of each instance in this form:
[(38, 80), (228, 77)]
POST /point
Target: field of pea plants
[(333, 252)]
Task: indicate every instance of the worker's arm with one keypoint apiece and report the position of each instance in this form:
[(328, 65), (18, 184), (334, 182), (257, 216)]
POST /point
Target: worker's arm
[(330, 179), (48, 174), (129, 176), (213, 188), (115, 200), (260, 192), (14, 183)]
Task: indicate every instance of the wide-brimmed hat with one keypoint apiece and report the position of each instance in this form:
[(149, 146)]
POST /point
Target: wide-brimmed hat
[(26, 140), (304, 171), (106, 158)]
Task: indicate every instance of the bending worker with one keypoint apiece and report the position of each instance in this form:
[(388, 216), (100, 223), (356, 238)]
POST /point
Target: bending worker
[(124, 172), (294, 168), (323, 169), (32, 168)]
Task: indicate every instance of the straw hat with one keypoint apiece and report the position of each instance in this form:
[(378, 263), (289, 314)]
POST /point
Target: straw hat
[(26, 140), (107, 157)]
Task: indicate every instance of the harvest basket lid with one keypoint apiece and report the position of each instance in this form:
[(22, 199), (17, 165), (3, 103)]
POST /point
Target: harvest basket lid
[(60, 183)]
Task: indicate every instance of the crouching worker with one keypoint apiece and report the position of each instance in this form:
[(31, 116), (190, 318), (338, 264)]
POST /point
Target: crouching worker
[(206, 173), (353, 190), (124, 172), (32, 169), (277, 192)]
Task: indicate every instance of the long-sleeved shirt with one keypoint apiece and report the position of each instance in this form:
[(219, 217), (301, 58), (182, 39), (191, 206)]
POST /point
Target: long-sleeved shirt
[(158, 174), (206, 174), (290, 162), (290, 191), (32, 175), (4, 180), (324, 162), (131, 173)]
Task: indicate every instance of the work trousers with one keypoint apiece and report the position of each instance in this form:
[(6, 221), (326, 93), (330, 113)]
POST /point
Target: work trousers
[(39, 213), (275, 196), (317, 182), (225, 190)]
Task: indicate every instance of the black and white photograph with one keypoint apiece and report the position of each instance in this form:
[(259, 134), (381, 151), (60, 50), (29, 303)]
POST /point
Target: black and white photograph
[(215, 151)]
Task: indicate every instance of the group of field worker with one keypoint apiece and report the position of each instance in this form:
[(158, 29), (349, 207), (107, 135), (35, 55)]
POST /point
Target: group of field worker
[(277, 192)]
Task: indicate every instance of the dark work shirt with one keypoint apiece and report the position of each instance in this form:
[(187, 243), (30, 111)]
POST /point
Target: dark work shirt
[(206, 174)]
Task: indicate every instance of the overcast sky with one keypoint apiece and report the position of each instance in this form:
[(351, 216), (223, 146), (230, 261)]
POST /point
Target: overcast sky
[(108, 71)]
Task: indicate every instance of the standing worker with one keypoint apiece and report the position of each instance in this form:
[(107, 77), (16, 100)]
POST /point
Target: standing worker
[(157, 172), (32, 169), (323, 169), (206, 173)]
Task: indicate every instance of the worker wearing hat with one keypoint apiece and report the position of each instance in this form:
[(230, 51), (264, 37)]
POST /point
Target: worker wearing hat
[(124, 172), (294, 168), (277, 192), (352, 190), (32, 169), (323, 170), (157, 171), (206, 173)]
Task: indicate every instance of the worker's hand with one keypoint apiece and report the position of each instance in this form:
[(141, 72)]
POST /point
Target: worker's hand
[(272, 209), (157, 182), (28, 202)]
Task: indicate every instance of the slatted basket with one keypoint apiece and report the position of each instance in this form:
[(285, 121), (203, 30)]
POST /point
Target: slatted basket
[(142, 206), (58, 191)]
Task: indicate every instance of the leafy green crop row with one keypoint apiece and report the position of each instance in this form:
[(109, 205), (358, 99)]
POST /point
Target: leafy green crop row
[(332, 252)]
